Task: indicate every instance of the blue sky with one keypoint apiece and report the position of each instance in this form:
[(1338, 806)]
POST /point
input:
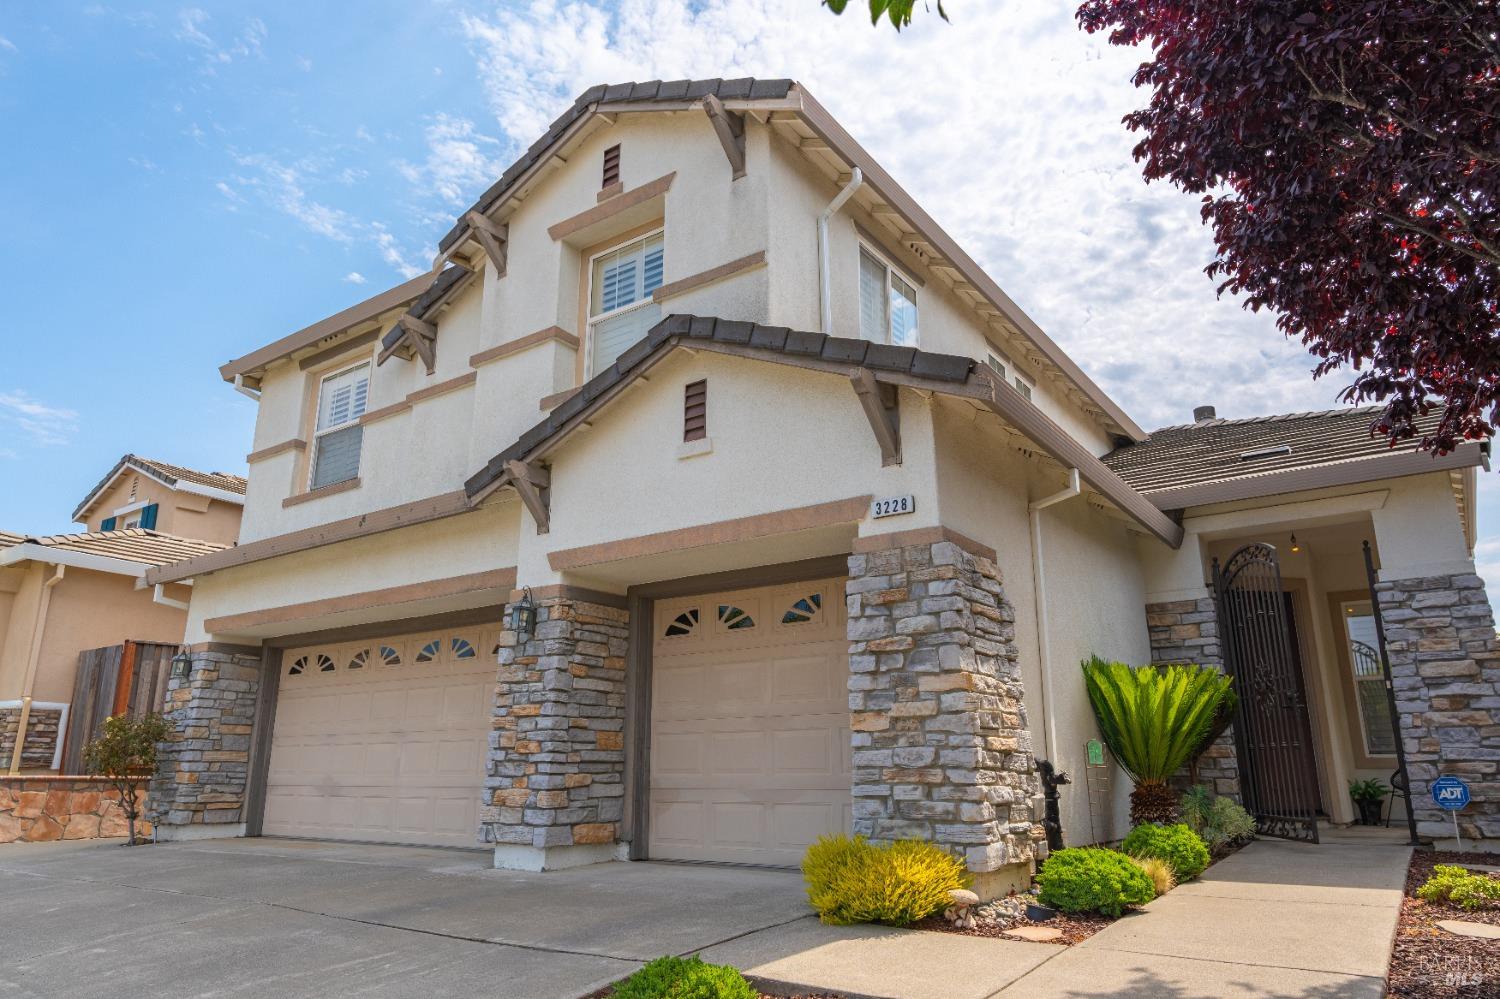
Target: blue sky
[(184, 182)]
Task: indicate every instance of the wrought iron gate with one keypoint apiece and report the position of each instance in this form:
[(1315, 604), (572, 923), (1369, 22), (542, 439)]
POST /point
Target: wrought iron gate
[(1272, 730)]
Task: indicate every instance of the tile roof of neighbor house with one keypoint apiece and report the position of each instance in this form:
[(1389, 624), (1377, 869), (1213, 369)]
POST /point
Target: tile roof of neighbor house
[(1217, 460), (10, 540), (133, 544), (167, 473), (674, 95)]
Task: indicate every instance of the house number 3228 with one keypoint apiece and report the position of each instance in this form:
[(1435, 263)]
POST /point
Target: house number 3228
[(891, 506)]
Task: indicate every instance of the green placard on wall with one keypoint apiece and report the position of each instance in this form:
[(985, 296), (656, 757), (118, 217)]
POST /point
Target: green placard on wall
[(1096, 753)]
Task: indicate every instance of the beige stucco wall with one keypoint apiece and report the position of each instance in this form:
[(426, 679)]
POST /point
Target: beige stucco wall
[(480, 541), (86, 610)]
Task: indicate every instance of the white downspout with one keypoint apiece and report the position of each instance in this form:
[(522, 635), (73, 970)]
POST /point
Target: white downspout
[(245, 390), (33, 655), (825, 289), (1039, 600), (159, 596)]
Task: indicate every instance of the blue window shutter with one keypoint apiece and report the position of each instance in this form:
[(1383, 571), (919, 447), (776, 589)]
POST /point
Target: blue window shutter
[(107, 524), (148, 517)]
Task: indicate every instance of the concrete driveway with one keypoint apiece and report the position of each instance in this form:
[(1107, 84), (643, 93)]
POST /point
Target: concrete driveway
[(291, 918)]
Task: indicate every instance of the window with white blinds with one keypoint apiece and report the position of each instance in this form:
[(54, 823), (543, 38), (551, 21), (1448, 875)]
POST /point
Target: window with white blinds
[(620, 306), (338, 434), (887, 303)]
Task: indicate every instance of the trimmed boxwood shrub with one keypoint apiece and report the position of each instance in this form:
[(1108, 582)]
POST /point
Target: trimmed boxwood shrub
[(685, 978), (1177, 845), (1092, 879), (854, 881)]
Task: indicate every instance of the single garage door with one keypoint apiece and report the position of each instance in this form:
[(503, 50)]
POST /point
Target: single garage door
[(749, 724), (384, 740)]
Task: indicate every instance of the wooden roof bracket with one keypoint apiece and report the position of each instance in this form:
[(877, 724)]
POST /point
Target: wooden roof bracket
[(881, 403), (534, 485), (419, 339), (493, 237), (730, 128)]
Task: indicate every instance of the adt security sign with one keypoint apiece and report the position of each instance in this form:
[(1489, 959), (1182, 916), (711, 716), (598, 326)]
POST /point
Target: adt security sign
[(1450, 793)]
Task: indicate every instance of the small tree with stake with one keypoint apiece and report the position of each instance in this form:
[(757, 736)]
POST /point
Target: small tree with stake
[(125, 752)]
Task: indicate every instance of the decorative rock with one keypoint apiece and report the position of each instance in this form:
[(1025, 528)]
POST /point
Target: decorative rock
[(44, 808), (1036, 934), (1464, 928), (961, 910)]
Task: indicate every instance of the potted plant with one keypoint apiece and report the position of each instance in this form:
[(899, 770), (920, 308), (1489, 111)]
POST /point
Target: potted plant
[(1367, 795), (1155, 719)]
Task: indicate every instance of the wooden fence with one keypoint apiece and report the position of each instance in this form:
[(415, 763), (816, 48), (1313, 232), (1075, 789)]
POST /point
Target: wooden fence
[(129, 679)]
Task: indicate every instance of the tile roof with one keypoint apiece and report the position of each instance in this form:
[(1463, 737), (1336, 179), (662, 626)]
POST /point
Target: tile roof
[(744, 88), (132, 545), (168, 473), (10, 540), (1224, 451)]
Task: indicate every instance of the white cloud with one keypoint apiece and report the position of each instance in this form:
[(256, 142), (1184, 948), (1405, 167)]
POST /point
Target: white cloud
[(459, 163), (7, 44), (43, 424), (354, 277), (391, 252), (281, 185), (192, 29)]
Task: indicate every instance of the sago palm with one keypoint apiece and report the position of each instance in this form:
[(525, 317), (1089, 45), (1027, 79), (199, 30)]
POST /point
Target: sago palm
[(1155, 719)]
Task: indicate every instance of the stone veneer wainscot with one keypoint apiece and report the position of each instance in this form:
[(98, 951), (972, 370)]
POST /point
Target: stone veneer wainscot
[(555, 785), (1445, 666), (204, 768), (1187, 631), (941, 748), (42, 733)]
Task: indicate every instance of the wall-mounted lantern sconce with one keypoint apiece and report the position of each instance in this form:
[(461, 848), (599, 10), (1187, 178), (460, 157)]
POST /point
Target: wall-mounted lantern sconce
[(523, 615), (182, 664)]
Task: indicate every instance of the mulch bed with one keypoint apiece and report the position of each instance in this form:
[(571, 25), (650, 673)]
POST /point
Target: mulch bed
[(1433, 963), (1076, 927)]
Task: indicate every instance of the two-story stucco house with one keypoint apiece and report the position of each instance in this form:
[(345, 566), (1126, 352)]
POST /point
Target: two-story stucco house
[(707, 497)]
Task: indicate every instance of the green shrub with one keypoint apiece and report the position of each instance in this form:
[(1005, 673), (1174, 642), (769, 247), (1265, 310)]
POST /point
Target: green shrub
[(853, 881), (1090, 879), (685, 978), (1177, 845), (1220, 821), (1451, 883)]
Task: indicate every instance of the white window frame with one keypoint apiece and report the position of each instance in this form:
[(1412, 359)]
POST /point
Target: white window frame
[(1025, 384), (1364, 728), (590, 319), (317, 435), (891, 270)]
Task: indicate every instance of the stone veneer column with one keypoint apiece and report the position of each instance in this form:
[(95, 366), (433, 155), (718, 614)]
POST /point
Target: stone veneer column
[(555, 785), (203, 770), (1187, 631), (941, 748), (1445, 665)]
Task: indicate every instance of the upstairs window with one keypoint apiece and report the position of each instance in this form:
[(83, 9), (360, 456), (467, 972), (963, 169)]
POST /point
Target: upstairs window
[(887, 303), (337, 436), (621, 281)]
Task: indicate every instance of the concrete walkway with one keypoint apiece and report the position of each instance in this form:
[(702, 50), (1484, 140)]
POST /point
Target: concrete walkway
[(1277, 920)]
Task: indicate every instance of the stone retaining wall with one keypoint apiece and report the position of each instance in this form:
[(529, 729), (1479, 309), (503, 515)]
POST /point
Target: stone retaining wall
[(941, 748), (1187, 631), (204, 767), (1445, 665), (42, 733), (556, 775), (44, 809)]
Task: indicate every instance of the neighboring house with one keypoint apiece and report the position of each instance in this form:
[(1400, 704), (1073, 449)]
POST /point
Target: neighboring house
[(156, 496), (780, 518), (63, 594)]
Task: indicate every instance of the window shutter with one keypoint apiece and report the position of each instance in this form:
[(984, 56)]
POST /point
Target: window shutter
[(107, 524), (695, 411), (338, 456), (873, 325), (612, 337), (148, 517), (611, 166)]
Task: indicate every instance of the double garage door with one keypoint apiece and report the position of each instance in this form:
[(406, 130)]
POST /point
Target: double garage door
[(749, 724), (384, 740)]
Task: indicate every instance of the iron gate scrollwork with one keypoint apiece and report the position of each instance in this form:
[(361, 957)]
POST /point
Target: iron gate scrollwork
[(1272, 730)]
